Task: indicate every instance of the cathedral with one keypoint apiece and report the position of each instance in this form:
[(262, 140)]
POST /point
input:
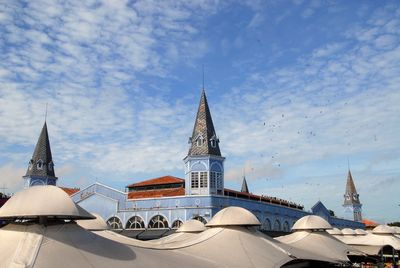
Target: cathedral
[(163, 204)]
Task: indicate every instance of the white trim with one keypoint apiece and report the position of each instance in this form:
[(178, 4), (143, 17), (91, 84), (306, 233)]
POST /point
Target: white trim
[(100, 184)]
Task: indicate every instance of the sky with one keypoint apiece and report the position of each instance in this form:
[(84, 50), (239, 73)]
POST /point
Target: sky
[(299, 91)]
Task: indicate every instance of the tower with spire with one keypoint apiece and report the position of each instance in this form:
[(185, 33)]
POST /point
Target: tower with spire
[(41, 167), (204, 165), (351, 204), (245, 188)]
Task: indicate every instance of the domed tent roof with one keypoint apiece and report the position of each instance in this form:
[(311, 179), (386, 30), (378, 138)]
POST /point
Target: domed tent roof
[(381, 229), (348, 231), (234, 216), (311, 222), (334, 231), (321, 243), (42, 201), (97, 224), (191, 226), (361, 232)]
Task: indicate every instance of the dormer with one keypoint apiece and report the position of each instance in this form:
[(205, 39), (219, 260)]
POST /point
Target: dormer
[(39, 164)]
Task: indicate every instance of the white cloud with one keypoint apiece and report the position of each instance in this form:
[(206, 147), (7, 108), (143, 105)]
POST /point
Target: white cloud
[(11, 178)]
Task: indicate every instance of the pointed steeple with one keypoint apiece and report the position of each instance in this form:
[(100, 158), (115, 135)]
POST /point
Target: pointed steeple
[(204, 140), (350, 196), (244, 189), (41, 163)]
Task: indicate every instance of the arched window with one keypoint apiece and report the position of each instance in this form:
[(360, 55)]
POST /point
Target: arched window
[(30, 166), (200, 218), (114, 223), (277, 225), (176, 224), (39, 164), (50, 165), (158, 222), (266, 225), (199, 141), (286, 227), (135, 223)]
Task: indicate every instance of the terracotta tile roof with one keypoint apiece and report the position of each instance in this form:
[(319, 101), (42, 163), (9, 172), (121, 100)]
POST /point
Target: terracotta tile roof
[(369, 223), (262, 198), (70, 191), (157, 181), (157, 193)]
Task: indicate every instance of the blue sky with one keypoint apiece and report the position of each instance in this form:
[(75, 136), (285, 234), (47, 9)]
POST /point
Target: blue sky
[(295, 89)]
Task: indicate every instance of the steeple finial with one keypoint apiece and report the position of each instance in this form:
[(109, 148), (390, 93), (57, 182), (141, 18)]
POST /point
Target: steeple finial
[(203, 76), (45, 115), (204, 140)]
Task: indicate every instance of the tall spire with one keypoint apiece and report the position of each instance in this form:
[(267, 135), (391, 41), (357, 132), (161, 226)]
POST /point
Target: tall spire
[(244, 189), (204, 140), (350, 196), (41, 163)]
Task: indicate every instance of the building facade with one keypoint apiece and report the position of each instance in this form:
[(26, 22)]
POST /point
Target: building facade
[(166, 202)]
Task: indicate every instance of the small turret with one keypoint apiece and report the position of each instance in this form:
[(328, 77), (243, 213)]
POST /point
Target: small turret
[(41, 166), (244, 189), (204, 164), (351, 204)]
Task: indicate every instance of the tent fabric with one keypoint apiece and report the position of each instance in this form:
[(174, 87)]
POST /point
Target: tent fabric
[(94, 224), (334, 231), (369, 250), (215, 243), (373, 240), (348, 231), (42, 201), (231, 216), (311, 222), (383, 229), (191, 226), (69, 245), (321, 243)]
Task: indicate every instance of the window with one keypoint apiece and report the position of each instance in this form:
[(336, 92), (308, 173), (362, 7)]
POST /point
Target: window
[(39, 164), (203, 179), (135, 223), (30, 166), (114, 223), (176, 224), (213, 179), (200, 218), (213, 141), (158, 222), (286, 227), (200, 141), (266, 225), (195, 180), (219, 179), (277, 225), (50, 165)]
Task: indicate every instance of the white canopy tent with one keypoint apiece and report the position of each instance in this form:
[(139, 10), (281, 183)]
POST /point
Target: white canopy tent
[(310, 234), (43, 233)]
